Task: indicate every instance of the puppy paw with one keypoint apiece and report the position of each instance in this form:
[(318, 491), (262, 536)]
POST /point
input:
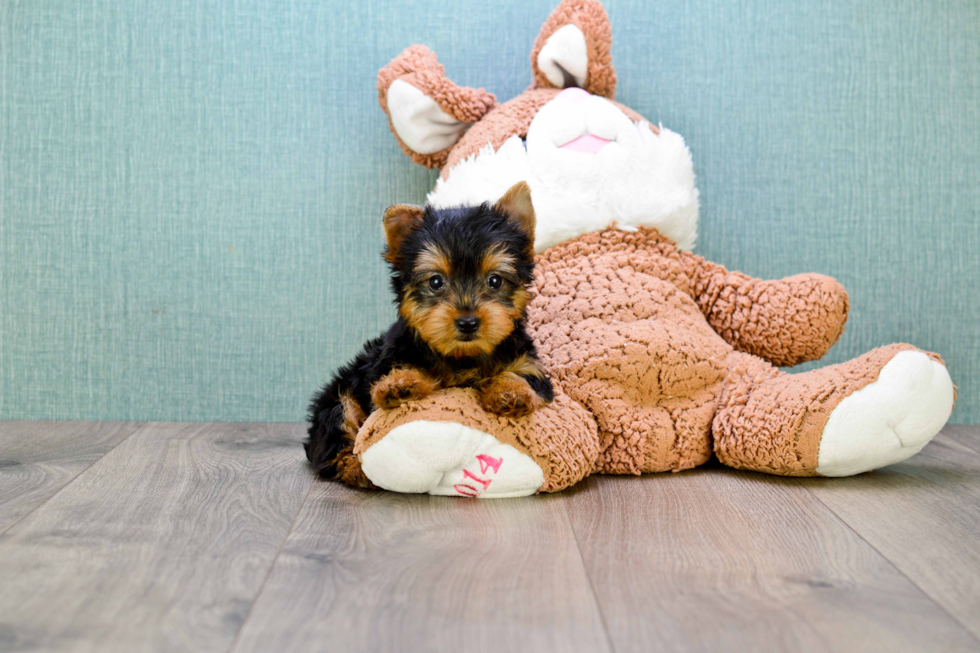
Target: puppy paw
[(401, 385), (510, 396)]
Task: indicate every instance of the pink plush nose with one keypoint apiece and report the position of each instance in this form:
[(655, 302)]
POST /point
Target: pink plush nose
[(586, 143), (575, 94)]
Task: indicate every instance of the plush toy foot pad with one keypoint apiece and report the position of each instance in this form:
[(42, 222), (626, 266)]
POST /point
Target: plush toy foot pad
[(888, 420), (450, 459)]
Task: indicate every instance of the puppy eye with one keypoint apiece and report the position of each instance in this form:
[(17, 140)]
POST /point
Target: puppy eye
[(436, 282), (495, 281)]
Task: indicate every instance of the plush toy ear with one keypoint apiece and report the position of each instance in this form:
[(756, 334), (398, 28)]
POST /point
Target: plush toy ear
[(516, 203), (573, 49), (398, 222), (427, 112)]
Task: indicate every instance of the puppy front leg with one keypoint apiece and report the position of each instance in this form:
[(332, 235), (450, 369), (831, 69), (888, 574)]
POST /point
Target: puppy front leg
[(509, 395), (520, 389), (400, 385)]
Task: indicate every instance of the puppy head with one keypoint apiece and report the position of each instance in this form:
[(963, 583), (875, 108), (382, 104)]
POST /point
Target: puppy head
[(460, 275)]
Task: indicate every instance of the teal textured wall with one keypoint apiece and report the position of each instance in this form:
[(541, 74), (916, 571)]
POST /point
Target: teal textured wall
[(190, 192)]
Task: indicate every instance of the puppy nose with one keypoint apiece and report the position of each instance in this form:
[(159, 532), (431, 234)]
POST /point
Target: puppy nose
[(468, 324)]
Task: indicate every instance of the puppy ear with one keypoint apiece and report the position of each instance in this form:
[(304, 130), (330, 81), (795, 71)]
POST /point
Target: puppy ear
[(516, 204), (427, 112), (573, 49), (399, 220)]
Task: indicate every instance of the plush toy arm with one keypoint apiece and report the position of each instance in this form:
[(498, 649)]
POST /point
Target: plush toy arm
[(785, 321)]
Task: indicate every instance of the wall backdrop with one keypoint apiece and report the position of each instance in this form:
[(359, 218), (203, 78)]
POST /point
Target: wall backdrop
[(190, 191)]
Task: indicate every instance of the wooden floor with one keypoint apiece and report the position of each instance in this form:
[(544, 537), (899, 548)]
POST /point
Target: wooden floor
[(216, 537)]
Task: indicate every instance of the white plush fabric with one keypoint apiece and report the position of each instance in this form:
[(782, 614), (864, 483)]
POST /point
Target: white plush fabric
[(888, 420), (419, 121), (567, 48), (638, 179), (449, 459)]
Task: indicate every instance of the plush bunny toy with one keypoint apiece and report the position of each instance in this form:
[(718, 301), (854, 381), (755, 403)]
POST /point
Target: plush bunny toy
[(659, 358)]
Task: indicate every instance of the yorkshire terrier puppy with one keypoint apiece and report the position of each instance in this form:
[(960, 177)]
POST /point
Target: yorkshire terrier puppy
[(460, 278)]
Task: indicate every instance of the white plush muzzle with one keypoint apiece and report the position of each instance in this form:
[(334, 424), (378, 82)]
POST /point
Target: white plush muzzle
[(589, 167)]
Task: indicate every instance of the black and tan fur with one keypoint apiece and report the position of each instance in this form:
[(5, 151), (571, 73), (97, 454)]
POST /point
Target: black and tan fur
[(460, 278)]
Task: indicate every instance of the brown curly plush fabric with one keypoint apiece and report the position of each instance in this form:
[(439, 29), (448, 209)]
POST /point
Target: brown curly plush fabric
[(561, 437), (591, 18), (625, 323), (616, 328), (642, 333), (418, 66), (786, 321)]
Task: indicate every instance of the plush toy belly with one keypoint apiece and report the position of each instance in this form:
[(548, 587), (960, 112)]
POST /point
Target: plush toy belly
[(637, 352)]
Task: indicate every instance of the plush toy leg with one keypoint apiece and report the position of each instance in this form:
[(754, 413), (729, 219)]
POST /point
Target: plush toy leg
[(875, 410), (652, 384), (447, 445)]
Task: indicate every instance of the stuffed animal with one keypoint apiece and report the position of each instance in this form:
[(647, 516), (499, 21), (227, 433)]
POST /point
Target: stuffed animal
[(659, 358)]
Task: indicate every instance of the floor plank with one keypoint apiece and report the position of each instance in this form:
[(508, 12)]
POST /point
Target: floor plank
[(161, 545), (924, 516), (966, 435), (39, 458), (716, 560), (374, 571)]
